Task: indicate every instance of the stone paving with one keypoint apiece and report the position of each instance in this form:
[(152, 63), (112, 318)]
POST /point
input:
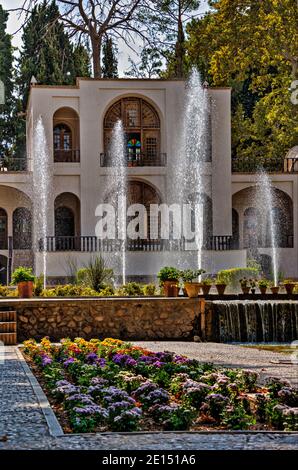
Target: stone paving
[(23, 425)]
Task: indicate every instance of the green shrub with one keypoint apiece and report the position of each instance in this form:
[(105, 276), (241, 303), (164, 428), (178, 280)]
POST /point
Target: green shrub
[(189, 275), (96, 274), (38, 285), (69, 290), (107, 291), (22, 274), (232, 276), (4, 291), (149, 289), (168, 273), (132, 289), (82, 276)]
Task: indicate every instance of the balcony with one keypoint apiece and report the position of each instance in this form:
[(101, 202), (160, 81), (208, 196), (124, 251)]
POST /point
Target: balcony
[(142, 159), (13, 164), (66, 156), (89, 244)]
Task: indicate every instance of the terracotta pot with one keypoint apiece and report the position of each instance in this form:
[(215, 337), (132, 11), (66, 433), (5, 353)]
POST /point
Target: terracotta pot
[(289, 286), (221, 288), (245, 290), (274, 289), (192, 289), (263, 290), (206, 288), (25, 289), (171, 288)]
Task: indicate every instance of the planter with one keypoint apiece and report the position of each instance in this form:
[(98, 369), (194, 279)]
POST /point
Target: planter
[(171, 288), (289, 286), (274, 289), (245, 290), (206, 289), (263, 290), (25, 289), (192, 289), (221, 288)]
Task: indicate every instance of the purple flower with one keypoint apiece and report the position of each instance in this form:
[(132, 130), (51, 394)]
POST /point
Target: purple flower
[(79, 398), (91, 410), (124, 360), (46, 360), (69, 361), (159, 364), (144, 389), (146, 359), (99, 381), (92, 357), (64, 387)]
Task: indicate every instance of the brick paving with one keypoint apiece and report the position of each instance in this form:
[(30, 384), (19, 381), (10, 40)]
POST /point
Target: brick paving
[(23, 425)]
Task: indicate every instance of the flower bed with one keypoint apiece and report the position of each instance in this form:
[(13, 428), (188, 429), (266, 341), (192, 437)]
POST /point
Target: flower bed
[(110, 385)]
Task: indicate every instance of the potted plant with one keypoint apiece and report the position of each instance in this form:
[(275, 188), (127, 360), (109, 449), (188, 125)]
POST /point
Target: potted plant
[(169, 280), (24, 279), (289, 286), (244, 283), (206, 285), (188, 276), (263, 284), (253, 285), (274, 289), (220, 284)]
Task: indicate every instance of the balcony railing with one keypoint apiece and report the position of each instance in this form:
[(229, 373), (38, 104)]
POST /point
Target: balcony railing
[(66, 156), (13, 164), (93, 244), (142, 159)]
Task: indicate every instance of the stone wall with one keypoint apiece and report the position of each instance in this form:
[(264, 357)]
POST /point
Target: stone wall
[(126, 318)]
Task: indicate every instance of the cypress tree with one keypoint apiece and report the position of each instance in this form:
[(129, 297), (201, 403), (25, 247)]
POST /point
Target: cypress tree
[(6, 78), (109, 60)]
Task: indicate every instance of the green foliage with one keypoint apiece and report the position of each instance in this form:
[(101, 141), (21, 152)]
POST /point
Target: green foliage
[(7, 129), (69, 290), (97, 275), (149, 66), (48, 53), (109, 59), (38, 285), (207, 281), (263, 283), (107, 291), (131, 289), (189, 275), (252, 47), (22, 274), (168, 274), (236, 417), (4, 291), (149, 289), (231, 277)]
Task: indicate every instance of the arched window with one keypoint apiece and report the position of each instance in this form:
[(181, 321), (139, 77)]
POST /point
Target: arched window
[(142, 193), (141, 125), (62, 137), (64, 222), (22, 229), (252, 233), (3, 229)]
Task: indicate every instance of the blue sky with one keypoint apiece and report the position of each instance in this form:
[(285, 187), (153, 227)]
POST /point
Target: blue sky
[(124, 52)]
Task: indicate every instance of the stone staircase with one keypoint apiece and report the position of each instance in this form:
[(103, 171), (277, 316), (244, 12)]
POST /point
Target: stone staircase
[(8, 327)]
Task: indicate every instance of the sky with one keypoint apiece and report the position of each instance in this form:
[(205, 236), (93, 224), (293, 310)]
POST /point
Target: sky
[(14, 23)]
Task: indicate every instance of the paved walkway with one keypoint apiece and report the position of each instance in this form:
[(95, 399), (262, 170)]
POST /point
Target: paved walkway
[(23, 425)]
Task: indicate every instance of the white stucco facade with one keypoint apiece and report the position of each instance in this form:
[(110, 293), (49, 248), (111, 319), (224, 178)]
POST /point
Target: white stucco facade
[(82, 182)]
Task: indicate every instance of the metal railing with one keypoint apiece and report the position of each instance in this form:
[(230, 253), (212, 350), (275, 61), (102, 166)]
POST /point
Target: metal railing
[(143, 159), (94, 244), (13, 164), (66, 156)]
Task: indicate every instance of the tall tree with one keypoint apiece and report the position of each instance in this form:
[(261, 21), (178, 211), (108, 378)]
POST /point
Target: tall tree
[(6, 78), (170, 22), (95, 19), (109, 59), (252, 46), (150, 65), (47, 52)]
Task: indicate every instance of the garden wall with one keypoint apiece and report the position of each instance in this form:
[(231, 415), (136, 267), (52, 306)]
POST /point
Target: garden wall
[(126, 318)]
